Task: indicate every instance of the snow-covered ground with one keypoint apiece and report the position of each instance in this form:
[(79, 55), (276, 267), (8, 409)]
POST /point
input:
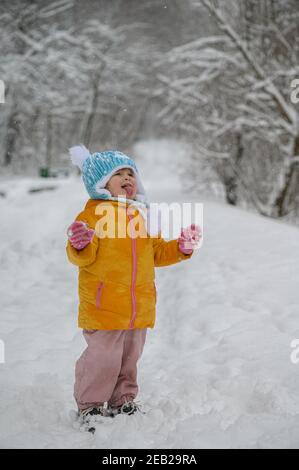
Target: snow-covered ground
[(216, 369)]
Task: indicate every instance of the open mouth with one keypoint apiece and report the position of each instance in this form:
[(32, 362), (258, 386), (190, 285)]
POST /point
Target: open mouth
[(128, 188)]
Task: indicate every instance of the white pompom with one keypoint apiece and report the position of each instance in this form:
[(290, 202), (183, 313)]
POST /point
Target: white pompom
[(78, 154)]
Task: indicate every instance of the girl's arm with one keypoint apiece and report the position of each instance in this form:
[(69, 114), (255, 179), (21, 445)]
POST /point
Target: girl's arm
[(167, 252), (85, 256)]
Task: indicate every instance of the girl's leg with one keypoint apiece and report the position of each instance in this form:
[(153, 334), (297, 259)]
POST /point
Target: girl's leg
[(126, 388), (98, 368)]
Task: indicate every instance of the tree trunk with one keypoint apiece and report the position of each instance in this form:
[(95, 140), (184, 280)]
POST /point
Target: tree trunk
[(11, 137), (230, 178), (49, 141), (290, 190), (87, 131)]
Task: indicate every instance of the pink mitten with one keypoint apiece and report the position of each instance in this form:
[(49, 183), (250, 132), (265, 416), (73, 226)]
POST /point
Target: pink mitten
[(79, 235), (189, 239)]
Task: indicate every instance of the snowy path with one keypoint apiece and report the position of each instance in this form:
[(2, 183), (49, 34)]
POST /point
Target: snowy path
[(216, 370)]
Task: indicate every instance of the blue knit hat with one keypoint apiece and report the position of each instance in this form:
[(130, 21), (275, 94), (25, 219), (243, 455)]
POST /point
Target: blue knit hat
[(97, 169)]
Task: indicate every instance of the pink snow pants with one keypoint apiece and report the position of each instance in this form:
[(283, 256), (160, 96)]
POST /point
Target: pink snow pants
[(107, 369)]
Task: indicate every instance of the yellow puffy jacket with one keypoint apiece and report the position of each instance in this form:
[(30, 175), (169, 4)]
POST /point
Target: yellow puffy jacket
[(116, 274)]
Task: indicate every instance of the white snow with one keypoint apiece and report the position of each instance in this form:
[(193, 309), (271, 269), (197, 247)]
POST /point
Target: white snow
[(216, 369)]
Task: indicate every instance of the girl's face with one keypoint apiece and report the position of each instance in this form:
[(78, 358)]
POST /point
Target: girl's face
[(123, 183)]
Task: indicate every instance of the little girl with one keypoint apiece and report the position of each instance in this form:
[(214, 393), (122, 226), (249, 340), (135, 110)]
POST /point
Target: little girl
[(117, 289)]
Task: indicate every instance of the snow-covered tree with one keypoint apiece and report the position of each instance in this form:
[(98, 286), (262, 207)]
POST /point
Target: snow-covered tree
[(231, 90), (70, 82)]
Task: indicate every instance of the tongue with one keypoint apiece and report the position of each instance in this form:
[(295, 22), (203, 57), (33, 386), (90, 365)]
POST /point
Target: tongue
[(129, 190)]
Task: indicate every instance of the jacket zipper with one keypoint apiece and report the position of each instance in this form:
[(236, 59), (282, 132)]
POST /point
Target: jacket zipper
[(134, 269), (99, 292)]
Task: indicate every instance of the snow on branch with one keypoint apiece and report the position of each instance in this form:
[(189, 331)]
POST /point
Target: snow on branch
[(285, 108), (56, 8)]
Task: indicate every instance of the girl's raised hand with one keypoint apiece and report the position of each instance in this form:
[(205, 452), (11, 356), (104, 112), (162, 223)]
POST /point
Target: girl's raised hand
[(79, 234), (189, 238)]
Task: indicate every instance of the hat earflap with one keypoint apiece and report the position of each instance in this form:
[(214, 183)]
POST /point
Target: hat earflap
[(104, 193)]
